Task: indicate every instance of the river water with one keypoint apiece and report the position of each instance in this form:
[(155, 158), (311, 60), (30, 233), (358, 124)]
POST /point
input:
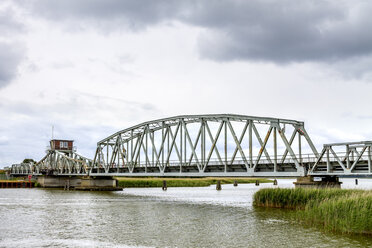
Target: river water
[(150, 217)]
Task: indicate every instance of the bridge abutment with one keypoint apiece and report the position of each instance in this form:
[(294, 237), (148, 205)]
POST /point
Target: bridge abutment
[(79, 183), (318, 182)]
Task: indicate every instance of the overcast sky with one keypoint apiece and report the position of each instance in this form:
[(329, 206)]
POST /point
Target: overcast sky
[(93, 67)]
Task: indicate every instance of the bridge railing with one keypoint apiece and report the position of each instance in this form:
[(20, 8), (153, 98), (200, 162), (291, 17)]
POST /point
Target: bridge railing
[(304, 159)]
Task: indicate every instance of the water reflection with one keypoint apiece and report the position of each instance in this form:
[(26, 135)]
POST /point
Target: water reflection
[(178, 217)]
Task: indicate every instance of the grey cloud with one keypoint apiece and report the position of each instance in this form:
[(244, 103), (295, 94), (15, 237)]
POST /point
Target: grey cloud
[(108, 14), (276, 31), (11, 56), (284, 31), (9, 24)]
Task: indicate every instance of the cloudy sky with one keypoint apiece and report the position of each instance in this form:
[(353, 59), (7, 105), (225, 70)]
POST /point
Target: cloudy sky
[(93, 67)]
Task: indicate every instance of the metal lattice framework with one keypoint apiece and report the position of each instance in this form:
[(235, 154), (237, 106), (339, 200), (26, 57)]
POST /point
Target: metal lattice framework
[(55, 163), (22, 169), (352, 158), (206, 145), (59, 163)]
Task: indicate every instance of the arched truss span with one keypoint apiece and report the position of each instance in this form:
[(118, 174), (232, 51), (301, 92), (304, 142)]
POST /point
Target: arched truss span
[(207, 145)]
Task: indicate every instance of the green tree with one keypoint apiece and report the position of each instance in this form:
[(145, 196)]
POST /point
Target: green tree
[(28, 160)]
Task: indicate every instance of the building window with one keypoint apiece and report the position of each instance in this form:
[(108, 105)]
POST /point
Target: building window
[(63, 144)]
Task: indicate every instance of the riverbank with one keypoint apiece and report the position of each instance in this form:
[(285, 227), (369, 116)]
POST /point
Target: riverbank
[(339, 210), (145, 182), (16, 184)]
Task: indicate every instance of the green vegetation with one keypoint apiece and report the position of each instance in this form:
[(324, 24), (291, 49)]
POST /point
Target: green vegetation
[(345, 211), (29, 160), (144, 182), (2, 171)]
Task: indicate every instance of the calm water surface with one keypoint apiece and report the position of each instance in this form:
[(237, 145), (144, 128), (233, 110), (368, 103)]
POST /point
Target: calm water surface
[(178, 217)]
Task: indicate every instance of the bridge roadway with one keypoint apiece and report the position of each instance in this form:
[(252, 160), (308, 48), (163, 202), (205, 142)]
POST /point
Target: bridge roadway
[(210, 145)]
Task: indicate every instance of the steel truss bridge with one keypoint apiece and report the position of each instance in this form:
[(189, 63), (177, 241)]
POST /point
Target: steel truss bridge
[(210, 145)]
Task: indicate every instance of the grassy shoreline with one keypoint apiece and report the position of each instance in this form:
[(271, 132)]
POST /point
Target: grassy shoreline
[(337, 210), (145, 182)]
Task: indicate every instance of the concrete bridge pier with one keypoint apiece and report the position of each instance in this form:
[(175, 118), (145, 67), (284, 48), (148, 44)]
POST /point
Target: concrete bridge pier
[(318, 182), (79, 183)]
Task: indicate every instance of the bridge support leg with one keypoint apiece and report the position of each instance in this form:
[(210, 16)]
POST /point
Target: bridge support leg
[(79, 183), (218, 185), (164, 185), (318, 182)]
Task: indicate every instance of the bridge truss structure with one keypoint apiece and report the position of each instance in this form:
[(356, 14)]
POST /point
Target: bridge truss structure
[(210, 145), (206, 145), (55, 163), (353, 158)]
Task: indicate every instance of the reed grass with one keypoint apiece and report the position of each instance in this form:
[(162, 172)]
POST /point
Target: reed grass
[(145, 182), (338, 210)]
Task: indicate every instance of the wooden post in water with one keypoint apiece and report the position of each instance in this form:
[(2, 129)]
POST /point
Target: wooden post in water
[(218, 185), (235, 183), (356, 181), (257, 183), (275, 182), (164, 185)]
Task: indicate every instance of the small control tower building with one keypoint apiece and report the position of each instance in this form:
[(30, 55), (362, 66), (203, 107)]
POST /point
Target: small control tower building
[(65, 146)]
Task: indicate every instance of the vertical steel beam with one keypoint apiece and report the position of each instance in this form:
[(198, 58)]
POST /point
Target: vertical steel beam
[(202, 144), (300, 149), (225, 145), (369, 159), (147, 138), (168, 144), (347, 156), (162, 138), (328, 162), (181, 143), (184, 145), (275, 151), (250, 144), (107, 155)]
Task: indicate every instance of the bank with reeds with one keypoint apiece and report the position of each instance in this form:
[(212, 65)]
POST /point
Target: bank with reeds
[(144, 182), (338, 210)]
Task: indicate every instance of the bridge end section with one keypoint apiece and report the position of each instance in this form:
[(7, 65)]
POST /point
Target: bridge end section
[(318, 182)]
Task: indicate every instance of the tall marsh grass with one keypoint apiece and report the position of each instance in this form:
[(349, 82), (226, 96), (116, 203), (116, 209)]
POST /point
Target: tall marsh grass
[(345, 211), (144, 182)]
